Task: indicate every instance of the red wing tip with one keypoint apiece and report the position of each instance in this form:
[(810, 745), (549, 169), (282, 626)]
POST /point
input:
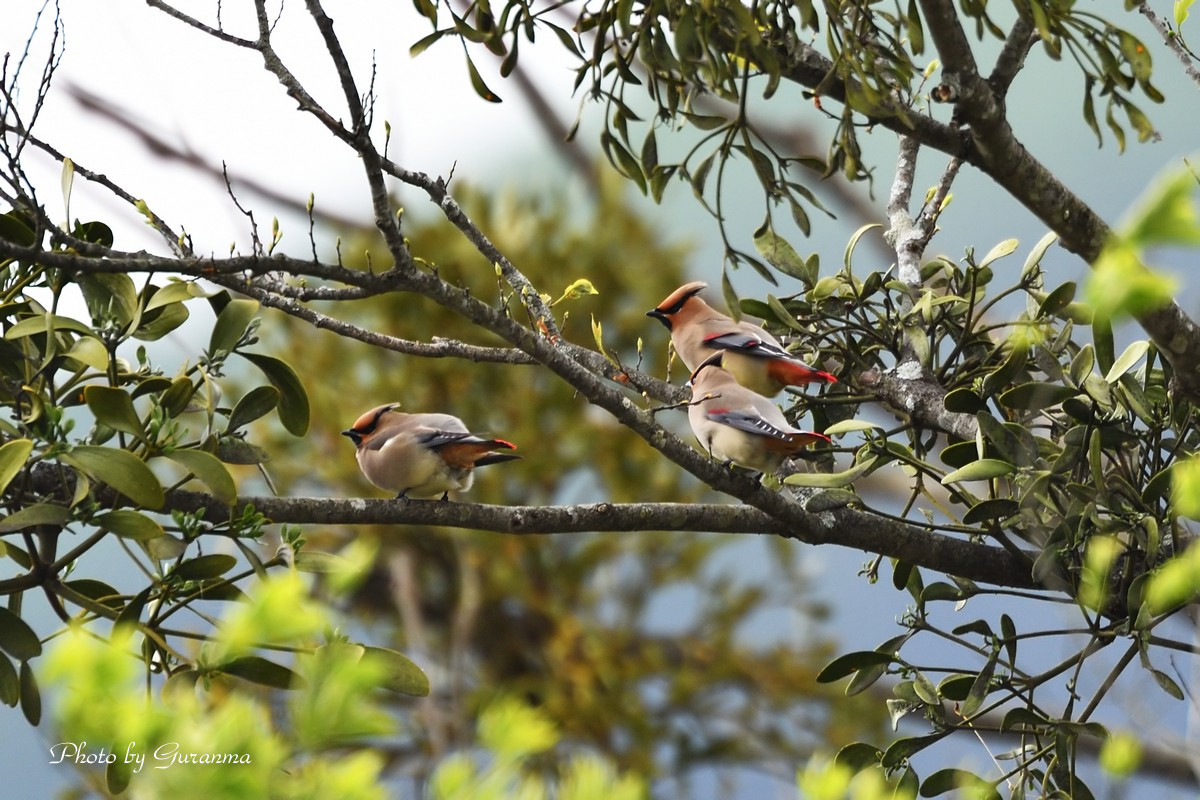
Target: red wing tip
[(504, 444)]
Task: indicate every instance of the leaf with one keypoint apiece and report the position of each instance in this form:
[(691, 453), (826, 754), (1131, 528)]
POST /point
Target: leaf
[(403, 676), (981, 470), (99, 591), (781, 255), (952, 780), (293, 400), (203, 567), (1181, 11), (964, 401), (109, 295), (1132, 355), (836, 480), (1036, 395), (999, 508), (232, 450), (902, 749), (174, 292), (478, 85), (857, 756), (209, 470), (158, 324), (231, 324), (10, 684), (261, 671), (31, 326), (31, 698), (17, 638), (13, 456), (129, 525), (845, 665), (177, 396), (67, 180), (117, 775), (34, 515), (90, 351), (114, 407), (998, 252), (858, 234), (121, 470), (851, 426)]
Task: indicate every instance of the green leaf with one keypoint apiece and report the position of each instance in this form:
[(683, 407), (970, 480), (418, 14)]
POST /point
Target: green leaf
[(478, 85), (1132, 355), (964, 401), (981, 470), (850, 663), (261, 671), (425, 42), (109, 295), (129, 525), (159, 323), (17, 638), (12, 460), (954, 780), (902, 749), (34, 515), (99, 591), (117, 775), (231, 323), (998, 508), (403, 676), (209, 470), (1120, 284), (857, 756), (203, 567), (121, 470), (31, 698), (232, 450), (836, 480), (1036, 395), (777, 252), (114, 407), (10, 684), (293, 400), (175, 398)]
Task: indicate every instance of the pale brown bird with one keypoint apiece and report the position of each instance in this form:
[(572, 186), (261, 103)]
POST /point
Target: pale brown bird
[(755, 358), (738, 425), (421, 455)]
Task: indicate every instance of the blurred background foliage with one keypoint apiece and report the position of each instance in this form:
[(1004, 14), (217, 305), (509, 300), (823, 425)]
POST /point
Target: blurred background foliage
[(643, 646)]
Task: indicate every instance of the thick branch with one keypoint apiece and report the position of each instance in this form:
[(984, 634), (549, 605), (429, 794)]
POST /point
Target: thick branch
[(845, 526)]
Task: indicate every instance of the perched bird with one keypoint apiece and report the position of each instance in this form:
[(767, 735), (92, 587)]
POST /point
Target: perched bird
[(421, 455), (738, 425), (756, 359)]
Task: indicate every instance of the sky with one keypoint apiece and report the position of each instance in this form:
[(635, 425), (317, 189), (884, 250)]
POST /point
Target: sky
[(217, 102)]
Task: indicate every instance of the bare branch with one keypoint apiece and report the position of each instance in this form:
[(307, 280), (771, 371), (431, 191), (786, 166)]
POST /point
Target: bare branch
[(1172, 41), (845, 526)]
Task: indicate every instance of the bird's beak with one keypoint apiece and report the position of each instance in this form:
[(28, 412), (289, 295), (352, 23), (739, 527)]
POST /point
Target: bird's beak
[(661, 316)]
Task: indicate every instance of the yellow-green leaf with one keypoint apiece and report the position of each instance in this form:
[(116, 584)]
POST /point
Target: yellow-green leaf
[(34, 515), (90, 351), (121, 470), (981, 470), (114, 407), (403, 676), (209, 470), (129, 525), (12, 459), (998, 252), (836, 480), (231, 323)]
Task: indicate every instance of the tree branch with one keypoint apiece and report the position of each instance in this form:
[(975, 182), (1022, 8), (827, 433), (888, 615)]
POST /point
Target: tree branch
[(844, 526)]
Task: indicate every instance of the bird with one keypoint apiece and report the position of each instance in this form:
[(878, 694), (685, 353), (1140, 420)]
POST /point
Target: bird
[(421, 455), (738, 425), (756, 359)]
